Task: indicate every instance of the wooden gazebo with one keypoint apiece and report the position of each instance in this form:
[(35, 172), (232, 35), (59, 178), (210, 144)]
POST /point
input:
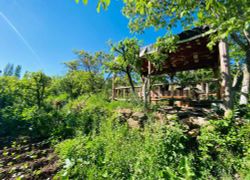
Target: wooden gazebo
[(192, 54)]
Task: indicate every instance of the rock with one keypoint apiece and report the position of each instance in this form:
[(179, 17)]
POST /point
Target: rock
[(125, 112), (171, 124), (133, 124), (186, 121), (139, 116), (121, 118), (172, 117), (185, 128), (210, 128), (200, 121), (193, 132), (195, 121), (159, 117)]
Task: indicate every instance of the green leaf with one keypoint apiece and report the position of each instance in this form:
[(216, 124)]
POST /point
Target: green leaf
[(200, 15), (84, 1), (142, 10), (98, 9)]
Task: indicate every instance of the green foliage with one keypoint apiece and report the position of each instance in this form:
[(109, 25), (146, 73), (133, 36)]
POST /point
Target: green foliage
[(36, 105), (224, 16), (119, 153), (10, 70), (18, 70), (86, 73), (35, 88), (10, 91), (100, 4), (102, 148), (157, 152), (126, 60), (127, 55), (92, 63), (76, 83), (224, 148), (197, 76), (163, 46)]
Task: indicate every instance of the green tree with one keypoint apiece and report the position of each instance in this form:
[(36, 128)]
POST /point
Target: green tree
[(126, 60), (92, 65), (229, 19), (8, 70), (77, 83), (11, 70), (18, 70), (36, 87), (10, 91), (72, 65)]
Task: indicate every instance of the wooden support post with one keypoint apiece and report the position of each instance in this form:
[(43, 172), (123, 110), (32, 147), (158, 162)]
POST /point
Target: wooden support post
[(159, 92), (123, 94), (171, 102), (144, 90), (216, 73), (207, 90), (225, 76), (171, 89), (146, 87)]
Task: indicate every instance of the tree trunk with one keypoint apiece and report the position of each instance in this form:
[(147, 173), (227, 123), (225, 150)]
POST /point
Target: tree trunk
[(225, 76), (247, 35), (237, 80), (131, 82), (245, 88), (144, 91), (113, 87), (149, 83)]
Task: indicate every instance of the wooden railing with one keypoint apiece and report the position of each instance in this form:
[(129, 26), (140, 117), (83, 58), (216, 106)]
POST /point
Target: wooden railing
[(201, 91)]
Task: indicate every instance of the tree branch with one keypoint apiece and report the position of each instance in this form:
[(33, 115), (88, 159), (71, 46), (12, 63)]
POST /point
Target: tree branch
[(236, 38), (247, 35), (117, 50)]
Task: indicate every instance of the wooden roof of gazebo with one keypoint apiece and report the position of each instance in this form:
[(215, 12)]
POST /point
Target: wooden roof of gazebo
[(192, 53)]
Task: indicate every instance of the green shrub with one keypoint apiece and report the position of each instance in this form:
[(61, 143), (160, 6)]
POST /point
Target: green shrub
[(158, 152), (224, 148), (11, 123), (119, 153)]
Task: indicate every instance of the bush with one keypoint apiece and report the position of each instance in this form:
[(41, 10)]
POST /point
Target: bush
[(11, 123), (119, 153), (158, 152), (224, 148)]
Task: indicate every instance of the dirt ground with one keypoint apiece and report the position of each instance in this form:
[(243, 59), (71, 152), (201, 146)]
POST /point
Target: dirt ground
[(26, 160)]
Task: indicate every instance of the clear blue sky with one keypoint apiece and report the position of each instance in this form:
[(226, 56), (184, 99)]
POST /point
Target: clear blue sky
[(41, 34)]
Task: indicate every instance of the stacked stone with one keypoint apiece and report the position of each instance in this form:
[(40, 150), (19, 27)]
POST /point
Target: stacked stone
[(134, 119)]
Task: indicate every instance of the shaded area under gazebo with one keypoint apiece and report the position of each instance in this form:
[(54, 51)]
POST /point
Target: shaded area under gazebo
[(192, 54)]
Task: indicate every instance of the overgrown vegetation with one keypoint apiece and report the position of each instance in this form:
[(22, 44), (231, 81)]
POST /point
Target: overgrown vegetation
[(96, 145), (75, 115), (100, 147), (158, 151)]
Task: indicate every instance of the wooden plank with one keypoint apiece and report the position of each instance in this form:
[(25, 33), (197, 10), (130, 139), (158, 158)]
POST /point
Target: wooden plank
[(190, 100)]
